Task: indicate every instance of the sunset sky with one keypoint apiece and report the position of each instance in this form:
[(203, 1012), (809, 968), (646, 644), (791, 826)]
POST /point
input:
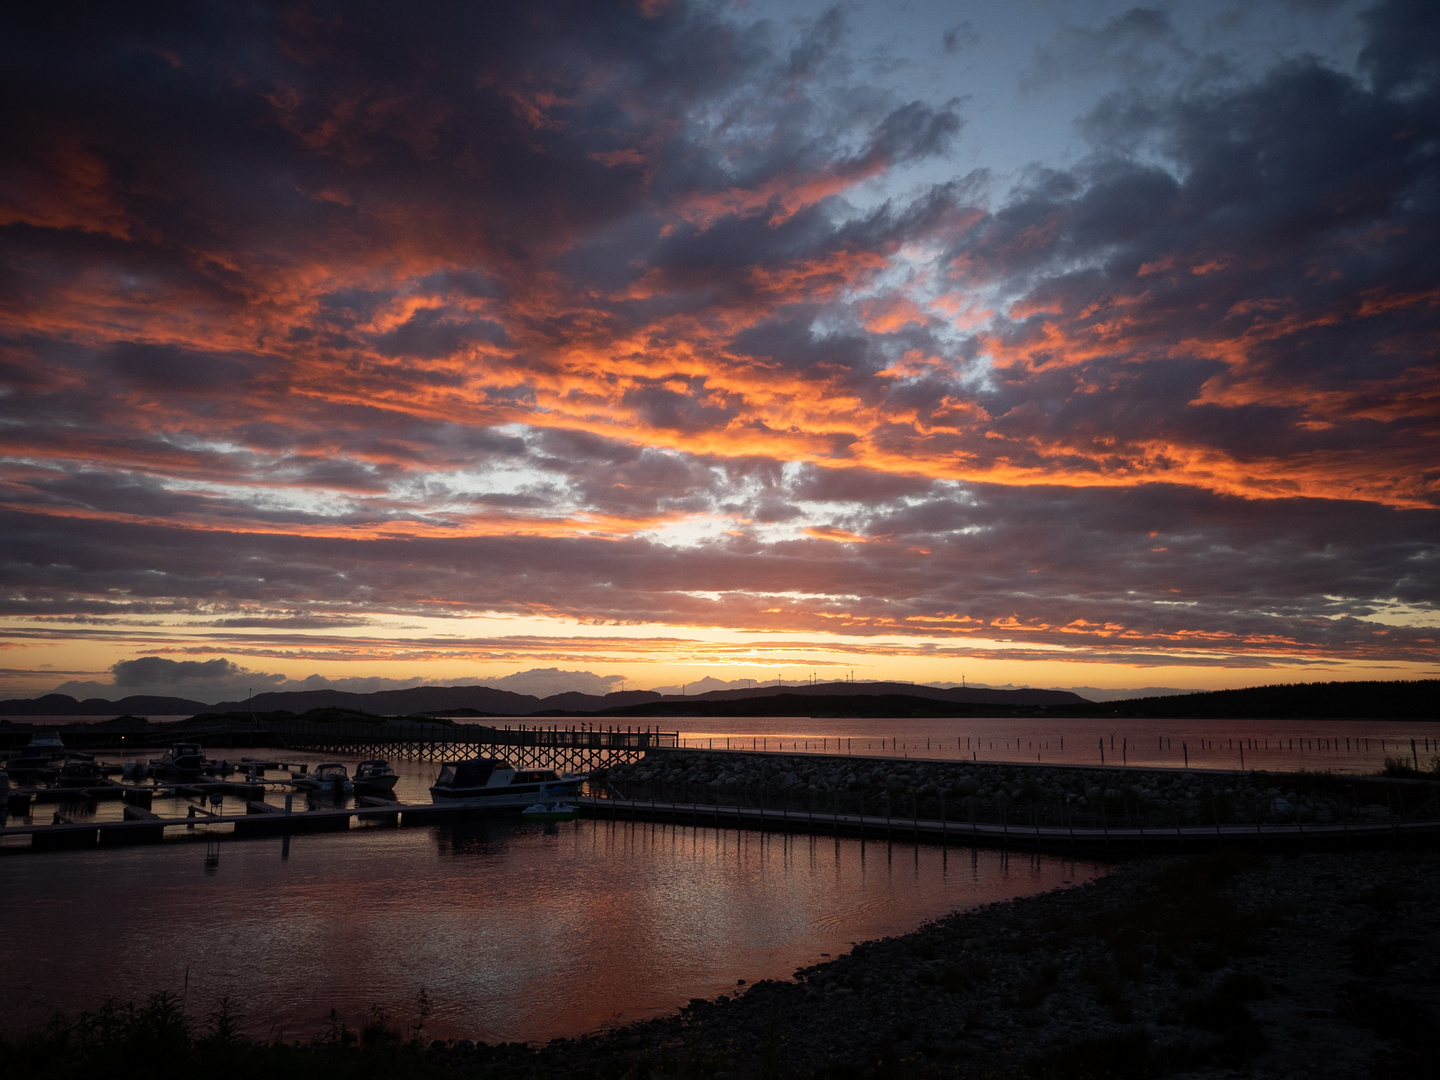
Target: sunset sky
[(1055, 344)]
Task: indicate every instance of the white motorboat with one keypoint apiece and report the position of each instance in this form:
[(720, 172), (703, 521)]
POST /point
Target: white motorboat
[(181, 758), (372, 776), (46, 746), (329, 778), (489, 782)]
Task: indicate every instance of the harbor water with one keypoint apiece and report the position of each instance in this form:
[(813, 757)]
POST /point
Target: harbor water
[(515, 932), (1341, 746)]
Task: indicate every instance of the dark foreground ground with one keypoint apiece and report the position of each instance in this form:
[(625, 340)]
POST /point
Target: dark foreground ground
[(1226, 964)]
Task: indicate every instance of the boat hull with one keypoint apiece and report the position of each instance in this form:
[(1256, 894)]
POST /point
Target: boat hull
[(549, 814), (378, 783), (510, 797)]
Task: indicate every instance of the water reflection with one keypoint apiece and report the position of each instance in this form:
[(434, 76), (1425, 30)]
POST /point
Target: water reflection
[(516, 932), (1349, 746)]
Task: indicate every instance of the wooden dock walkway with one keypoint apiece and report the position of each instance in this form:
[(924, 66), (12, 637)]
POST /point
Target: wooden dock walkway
[(574, 748), (140, 826), (263, 819)]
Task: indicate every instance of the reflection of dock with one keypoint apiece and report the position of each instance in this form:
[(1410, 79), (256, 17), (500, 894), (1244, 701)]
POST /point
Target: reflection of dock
[(1128, 839)]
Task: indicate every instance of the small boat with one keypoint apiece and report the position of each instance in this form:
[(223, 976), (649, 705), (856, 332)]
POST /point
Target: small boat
[(181, 758), (134, 771), (36, 755), (550, 811), (372, 776), (490, 782), (79, 773), (329, 778), (47, 746)]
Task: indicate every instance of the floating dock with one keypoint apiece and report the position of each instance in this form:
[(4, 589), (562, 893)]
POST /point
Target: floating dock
[(261, 819), (140, 826)]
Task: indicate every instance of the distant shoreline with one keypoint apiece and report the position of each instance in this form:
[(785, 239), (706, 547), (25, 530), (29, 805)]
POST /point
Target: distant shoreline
[(1361, 700)]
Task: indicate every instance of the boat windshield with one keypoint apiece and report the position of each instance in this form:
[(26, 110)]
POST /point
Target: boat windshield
[(465, 774)]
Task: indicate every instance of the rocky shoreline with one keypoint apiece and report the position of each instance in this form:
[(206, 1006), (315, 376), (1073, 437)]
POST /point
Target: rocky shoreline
[(1226, 964)]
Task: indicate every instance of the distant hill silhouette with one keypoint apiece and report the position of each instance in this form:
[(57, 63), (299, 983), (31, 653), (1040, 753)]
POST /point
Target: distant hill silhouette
[(1419, 700), (1367, 700), (487, 701), (65, 705)]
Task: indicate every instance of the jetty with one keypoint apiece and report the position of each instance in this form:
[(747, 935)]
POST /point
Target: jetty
[(580, 746), (262, 819)]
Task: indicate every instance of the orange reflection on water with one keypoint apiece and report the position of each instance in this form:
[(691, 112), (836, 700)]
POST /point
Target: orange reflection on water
[(516, 932)]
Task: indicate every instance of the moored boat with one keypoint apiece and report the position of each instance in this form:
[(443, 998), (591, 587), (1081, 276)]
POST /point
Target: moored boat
[(373, 776), (329, 778), (490, 782), (35, 756), (181, 758), (80, 773)]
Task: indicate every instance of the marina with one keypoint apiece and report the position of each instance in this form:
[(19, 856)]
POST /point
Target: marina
[(271, 798)]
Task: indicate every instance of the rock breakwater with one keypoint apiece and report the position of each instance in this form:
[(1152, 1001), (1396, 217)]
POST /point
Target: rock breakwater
[(1035, 794)]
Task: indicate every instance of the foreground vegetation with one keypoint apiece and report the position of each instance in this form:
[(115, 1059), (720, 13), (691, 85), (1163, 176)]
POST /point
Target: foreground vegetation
[(121, 1040)]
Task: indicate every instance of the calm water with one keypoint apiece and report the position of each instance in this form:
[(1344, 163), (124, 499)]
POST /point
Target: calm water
[(1348, 746), (515, 931)]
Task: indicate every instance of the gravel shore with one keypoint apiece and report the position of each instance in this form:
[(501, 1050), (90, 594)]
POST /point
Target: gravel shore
[(1227, 964)]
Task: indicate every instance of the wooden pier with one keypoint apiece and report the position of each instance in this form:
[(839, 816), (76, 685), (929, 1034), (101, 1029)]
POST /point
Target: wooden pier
[(574, 749), (140, 826)]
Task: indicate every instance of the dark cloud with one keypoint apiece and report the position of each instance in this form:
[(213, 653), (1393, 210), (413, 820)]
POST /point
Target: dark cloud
[(151, 670), (313, 313), (962, 35)]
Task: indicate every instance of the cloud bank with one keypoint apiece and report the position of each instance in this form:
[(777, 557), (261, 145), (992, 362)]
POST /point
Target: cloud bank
[(221, 679), (313, 314)]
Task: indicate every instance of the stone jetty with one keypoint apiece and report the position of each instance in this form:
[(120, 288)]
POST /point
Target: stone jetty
[(1057, 795)]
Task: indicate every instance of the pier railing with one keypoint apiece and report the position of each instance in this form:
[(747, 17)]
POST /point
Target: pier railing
[(572, 748)]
